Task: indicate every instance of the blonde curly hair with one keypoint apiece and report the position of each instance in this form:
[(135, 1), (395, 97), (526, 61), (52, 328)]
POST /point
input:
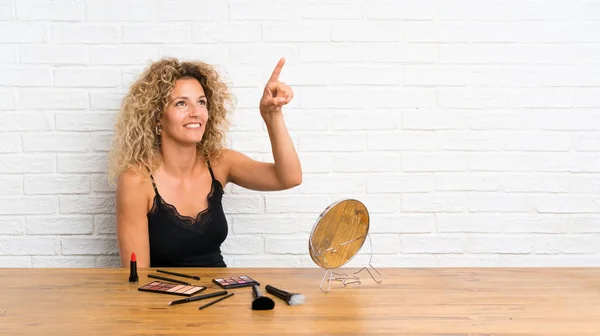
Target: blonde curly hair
[(135, 144)]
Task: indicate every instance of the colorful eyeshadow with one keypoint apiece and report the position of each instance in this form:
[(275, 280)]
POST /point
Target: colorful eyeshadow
[(171, 288), (235, 282)]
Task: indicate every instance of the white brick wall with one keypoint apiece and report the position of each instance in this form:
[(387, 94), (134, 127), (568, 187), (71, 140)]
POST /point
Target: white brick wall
[(470, 130)]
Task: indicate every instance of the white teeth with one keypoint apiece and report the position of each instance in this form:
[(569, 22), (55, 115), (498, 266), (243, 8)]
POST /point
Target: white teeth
[(192, 125)]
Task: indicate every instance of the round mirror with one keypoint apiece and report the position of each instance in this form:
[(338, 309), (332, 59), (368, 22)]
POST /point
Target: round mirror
[(338, 233)]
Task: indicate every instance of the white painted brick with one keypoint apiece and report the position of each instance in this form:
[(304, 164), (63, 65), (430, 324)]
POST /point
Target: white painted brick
[(315, 162), (469, 140), (386, 97), (333, 10), (54, 10), (10, 143), (236, 32), (243, 244), (435, 202), (472, 181), (341, 142), (471, 10), (297, 32), (563, 162), (56, 184), (106, 100), (479, 98), (15, 262), (23, 32), (384, 244), (27, 163), (534, 223), (6, 11), (504, 53), (63, 262), (105, 224), (567, 203), (367, 74), (268, 10), (469, 222), (85, 121), (501, 162), (499, 244), (56, 142), (414, 243), (265, 224), (366, 31), (337, 183), (505, 119), (188, 10), (89, 245), (570, 76), (566, 245), (583, 183), (12, 185), (402, 141), (504, 76), (544, 97), (584, 224), (25, 76), (12, 225), (587, 97), (556, 10), (53, 54), (339, 52), (425, 119), (122, 54), (300, 204), (101, 142), (439, 162), (499, 202), (247, 75), (28, 205), (442, 31), (584, 31), (375, 203), (407, 10), (403, 260), (242, 204), (8, 54), (329, 97), (108, 262), (288, 245), (304, 120), (400, 183), (404, 223), (117, 11), (250, 142), (365, 162), (100, 183), (84, 163), (156, 33), (402, 53), (87, 77), (514, 260), (365, 120), (84, 33), (213, 54), (563, 120), (262, 261), (247, 98), (427, 75), (29, 246), (27, 121), (51, 99), (586, 53), (538, 182), (7, 100), (264, 54), (81, 204), (59, 225)]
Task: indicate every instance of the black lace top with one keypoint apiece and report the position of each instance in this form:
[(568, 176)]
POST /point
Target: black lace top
[(184, 241)]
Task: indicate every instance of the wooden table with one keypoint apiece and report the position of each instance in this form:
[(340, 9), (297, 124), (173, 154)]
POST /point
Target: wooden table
[(428, 301)]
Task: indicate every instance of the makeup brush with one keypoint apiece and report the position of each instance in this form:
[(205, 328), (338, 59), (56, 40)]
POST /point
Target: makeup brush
[(261, 302), (292, 299)]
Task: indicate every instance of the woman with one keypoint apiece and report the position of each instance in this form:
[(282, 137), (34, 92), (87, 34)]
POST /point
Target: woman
[(170, 166)]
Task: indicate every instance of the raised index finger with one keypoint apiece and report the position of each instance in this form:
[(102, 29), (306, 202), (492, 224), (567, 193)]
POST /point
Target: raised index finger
[(277, 70)]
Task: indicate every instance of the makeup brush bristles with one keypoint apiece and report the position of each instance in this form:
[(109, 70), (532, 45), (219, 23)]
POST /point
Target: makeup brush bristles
[(292, 299)]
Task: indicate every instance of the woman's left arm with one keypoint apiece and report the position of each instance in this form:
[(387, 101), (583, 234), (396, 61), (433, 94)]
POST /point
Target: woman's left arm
[(286, 171)]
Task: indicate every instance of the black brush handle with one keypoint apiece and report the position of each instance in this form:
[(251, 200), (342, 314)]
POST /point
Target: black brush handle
[(256, 291), (277, 292)]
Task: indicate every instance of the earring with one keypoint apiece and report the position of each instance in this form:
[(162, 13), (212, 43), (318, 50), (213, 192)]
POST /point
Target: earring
[(158, 130)]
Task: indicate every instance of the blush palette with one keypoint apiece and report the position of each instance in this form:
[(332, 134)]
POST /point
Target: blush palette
[(235, 282), (171, 288)]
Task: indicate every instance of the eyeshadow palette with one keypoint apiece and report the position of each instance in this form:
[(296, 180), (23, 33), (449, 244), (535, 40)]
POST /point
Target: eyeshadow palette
[(235, 282), (171, 288)]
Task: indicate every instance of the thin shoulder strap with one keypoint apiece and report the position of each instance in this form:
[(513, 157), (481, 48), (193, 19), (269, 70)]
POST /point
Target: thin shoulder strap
[(212, 175), (153, 184)]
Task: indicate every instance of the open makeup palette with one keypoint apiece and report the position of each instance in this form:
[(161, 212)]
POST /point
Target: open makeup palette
[(171, 288)]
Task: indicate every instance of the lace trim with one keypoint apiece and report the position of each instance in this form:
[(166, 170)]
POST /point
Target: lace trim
[(184, 221)]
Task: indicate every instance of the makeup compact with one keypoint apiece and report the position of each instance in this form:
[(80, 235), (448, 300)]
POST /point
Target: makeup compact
[(171, 288), (236, 282)]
